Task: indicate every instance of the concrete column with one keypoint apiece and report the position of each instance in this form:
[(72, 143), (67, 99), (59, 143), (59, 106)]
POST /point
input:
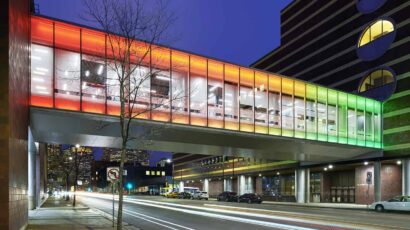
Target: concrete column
[(206, 185), (249, 185), (300, 185), (241, 185), (32, 153), (377, 181), (405, 170), (181, 186), (228, 185)]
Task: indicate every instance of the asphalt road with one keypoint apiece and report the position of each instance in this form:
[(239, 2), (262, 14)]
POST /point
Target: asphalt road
[(161, 213)]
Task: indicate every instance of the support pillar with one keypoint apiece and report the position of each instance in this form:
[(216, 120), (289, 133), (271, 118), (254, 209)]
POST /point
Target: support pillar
[(241, 185), (228, 185), (300, 185), (32, 155), (249, 185), (206, 186), (377, 181), (181, 186), (406, 177)]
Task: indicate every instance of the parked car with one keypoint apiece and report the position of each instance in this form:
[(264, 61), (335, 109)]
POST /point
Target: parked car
[(200, 195), (398, 203), (250, 198), (227, 196), (184, 195), (172, 195)]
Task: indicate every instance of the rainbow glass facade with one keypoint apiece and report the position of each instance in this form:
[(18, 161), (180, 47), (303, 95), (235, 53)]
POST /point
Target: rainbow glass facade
[(69, 72)]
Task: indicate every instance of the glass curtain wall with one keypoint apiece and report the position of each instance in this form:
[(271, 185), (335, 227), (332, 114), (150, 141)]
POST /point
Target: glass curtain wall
[(72, 69)]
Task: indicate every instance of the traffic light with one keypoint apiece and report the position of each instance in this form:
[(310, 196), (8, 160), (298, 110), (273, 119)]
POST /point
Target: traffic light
[(129, 186)]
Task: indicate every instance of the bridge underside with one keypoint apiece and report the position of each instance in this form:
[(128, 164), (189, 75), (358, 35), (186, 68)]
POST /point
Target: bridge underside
[(54, 126)]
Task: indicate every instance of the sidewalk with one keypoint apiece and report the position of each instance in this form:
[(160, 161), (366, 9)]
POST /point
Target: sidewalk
[(56, 213)]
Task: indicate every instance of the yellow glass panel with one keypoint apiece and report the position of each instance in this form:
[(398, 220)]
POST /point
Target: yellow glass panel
[(375, 31)]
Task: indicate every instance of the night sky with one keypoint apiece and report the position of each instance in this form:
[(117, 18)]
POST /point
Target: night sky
[(237, 31)]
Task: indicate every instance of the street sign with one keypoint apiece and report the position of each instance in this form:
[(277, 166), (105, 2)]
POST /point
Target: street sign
[(113, 173), (369, 178), (124, 172)]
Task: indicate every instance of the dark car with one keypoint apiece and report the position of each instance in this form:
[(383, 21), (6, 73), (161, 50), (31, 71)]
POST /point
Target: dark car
[(227, 196), (250, 198), (185, 195)]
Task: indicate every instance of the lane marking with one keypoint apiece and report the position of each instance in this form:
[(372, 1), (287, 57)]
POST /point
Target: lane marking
[(163, 225), (150, 217)]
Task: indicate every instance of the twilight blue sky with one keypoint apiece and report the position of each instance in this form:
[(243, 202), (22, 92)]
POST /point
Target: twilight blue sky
[(238, 31)]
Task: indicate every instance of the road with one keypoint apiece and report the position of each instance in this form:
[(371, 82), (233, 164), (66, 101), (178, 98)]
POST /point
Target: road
[(154, 213)]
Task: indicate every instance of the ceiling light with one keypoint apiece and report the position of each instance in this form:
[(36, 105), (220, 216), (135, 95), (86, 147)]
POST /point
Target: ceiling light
[(87, 73), (159, 77), (41, 87), (38, 73), (399, 162), (260, 174), (36, 79), (100, 70), (330, 166), (366, 163), (325, 169), (213, 88), (41, 69), (278, 173)]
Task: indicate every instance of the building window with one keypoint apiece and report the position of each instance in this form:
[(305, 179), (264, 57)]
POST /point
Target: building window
[(375, 79), (375, 31), (158, 173), (147, 173), (152, 173), (163, 173)]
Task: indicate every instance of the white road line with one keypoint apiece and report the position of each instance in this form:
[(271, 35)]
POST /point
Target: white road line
[(163, 221), (151, 221)]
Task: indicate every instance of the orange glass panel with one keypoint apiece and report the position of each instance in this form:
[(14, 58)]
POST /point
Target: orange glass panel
[(41, 31), (261, 102), (93, 42), (287, 86), (215, 94), (198, 89), (93, 107), (140, 53), (247, 77), (274, 83), (41, 101), (231, 97), (180, 70), (160, 84), (67, 36), (246, 108), (300, 89)]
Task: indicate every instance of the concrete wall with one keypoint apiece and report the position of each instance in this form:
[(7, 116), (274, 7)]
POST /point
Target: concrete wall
[(14, 89), (215, 187)]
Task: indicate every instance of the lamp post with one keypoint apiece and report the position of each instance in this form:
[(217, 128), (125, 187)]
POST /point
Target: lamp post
[(169, 161)]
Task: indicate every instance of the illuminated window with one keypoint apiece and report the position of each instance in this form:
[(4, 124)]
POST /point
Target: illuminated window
[(163, 173), (147, 173), (375, 79), (41, 76), (376, 30), (158, 173), (153, 173)]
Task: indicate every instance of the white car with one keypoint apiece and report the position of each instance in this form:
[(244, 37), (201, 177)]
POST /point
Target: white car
[(398, 203), (200, 195)]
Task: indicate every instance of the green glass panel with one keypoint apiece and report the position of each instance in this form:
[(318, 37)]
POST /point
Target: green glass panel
[(342, 117), (351, 119), (322, 113), (332, 115), (311, 113)]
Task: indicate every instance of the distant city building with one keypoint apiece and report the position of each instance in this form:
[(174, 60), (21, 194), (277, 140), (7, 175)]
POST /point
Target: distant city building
[(132, 156)]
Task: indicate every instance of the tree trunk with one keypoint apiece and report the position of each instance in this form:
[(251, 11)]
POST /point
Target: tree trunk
[(121, 186), (67, 197), (76, 175)]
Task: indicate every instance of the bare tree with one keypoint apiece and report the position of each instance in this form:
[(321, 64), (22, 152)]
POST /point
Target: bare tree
[(132, 28)]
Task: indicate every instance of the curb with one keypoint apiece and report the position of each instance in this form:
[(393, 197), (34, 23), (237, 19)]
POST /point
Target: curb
[(109, 217)]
